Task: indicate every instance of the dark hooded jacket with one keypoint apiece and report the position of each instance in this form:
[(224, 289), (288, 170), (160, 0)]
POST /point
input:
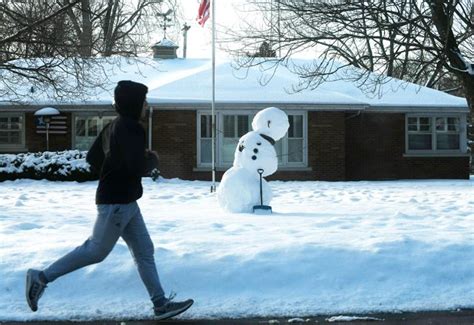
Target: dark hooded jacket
[(118, 153)]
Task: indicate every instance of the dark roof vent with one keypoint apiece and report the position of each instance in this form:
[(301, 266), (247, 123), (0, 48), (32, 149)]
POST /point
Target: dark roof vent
[(165, 49)]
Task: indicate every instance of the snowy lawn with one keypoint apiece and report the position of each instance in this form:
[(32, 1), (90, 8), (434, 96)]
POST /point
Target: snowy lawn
[(331, 248)]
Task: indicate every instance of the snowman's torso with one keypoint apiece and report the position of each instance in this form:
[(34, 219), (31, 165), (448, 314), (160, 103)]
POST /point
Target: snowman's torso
[(255, 152)]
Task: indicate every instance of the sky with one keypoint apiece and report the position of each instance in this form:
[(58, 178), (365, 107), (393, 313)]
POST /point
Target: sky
[(229, 15), (200, 38)]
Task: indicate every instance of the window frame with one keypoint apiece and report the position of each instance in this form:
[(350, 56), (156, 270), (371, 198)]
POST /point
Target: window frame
[(198, 139), (251, 113), (304, 163), (434, 151), (220, 135), (87, 115), (17, 146)]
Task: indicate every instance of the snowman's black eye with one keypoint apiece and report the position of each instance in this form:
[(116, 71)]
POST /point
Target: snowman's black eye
[(259, 143), (241, 148), (254, 157), (255, 150)]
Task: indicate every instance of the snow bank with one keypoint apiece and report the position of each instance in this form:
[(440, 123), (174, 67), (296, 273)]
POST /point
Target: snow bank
[(333, 248)]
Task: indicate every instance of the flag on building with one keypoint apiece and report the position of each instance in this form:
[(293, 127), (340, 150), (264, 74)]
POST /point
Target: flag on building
[(204, 12), (57, 124)]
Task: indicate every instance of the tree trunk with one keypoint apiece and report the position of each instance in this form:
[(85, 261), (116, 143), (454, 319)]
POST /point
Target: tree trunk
[(85, 38), (442, 20), (109, 25)]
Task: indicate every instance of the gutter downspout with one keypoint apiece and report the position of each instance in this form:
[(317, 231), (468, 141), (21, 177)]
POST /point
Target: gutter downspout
[(150, 126)]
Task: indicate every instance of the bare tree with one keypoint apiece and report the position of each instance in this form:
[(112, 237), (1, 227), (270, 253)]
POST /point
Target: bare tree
[(50, 45), (34, 30), (458, 54), (30, 28), (110, 27), (416, 40)]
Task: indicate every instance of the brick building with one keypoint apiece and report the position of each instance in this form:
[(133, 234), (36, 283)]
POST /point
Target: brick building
[(337, 131)]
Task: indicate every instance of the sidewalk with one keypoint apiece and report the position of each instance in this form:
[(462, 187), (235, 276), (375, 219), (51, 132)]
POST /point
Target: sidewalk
[(459, 317)]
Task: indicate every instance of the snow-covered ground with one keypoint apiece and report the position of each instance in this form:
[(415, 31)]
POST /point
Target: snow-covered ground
[(329, 248)]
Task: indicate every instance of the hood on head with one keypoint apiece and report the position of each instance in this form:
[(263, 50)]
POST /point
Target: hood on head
[(129, 97)]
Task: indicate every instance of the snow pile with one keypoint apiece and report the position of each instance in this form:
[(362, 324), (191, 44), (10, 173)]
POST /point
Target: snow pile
[(352, 319), (329, 248), (64, 165), (296, 320), (47, 111)]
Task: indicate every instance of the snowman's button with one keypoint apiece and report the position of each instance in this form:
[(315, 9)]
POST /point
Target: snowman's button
[(259, 143), (255, 150), (254, 157)]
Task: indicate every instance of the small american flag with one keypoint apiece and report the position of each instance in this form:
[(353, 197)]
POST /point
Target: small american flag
[(203, 12), (57, 125)]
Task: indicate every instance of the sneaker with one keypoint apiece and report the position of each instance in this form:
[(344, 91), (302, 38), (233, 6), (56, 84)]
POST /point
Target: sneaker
[(172, 308), (34, 288)]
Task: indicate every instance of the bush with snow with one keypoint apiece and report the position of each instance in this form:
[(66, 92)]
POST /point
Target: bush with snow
[(67, 165)]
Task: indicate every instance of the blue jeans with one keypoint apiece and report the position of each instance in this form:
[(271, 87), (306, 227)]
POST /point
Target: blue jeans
[(114, 221)]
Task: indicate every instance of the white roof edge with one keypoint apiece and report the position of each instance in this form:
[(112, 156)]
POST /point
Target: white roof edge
[(419, 108), (248, 105)]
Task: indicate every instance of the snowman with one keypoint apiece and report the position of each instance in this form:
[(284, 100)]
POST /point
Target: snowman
[(239, 190)]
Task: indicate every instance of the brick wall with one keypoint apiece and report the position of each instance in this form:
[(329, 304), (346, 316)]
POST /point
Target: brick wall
[(37, 142), (326, 149), (341, 146), (326, 139), (375, 145), (174, 138)]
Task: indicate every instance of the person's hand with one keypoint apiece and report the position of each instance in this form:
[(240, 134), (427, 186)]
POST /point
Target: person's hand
[(151, 153), (151, 161)]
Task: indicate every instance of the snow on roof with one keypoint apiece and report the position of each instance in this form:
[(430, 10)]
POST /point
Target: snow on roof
[(47, 111), (185, 81), (166, 42), (244, 86), (266, 85)]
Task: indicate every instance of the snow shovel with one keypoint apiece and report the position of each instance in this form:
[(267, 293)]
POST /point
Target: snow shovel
[(261, 209)]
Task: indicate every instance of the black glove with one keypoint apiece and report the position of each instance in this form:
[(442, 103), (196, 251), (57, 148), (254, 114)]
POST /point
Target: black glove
[(151, 162)]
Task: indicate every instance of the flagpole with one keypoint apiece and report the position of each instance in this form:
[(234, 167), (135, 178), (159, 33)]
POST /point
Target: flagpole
[(213, 103)]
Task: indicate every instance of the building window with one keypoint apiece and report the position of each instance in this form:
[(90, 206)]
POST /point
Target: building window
[(448, 133), (291, 150), (87, 128), (234, 127), (205, 140), (430, 134), (12, 131), (295, 139)]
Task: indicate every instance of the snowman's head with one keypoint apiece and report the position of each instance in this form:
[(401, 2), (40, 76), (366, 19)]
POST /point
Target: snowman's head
[(254, 152), (272, 122)]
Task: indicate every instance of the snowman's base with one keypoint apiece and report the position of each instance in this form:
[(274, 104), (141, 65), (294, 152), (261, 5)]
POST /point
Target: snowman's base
[(262, 209)]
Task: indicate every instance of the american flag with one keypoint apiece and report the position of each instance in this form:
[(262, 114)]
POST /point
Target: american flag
[(204, 12), (57, 125)]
